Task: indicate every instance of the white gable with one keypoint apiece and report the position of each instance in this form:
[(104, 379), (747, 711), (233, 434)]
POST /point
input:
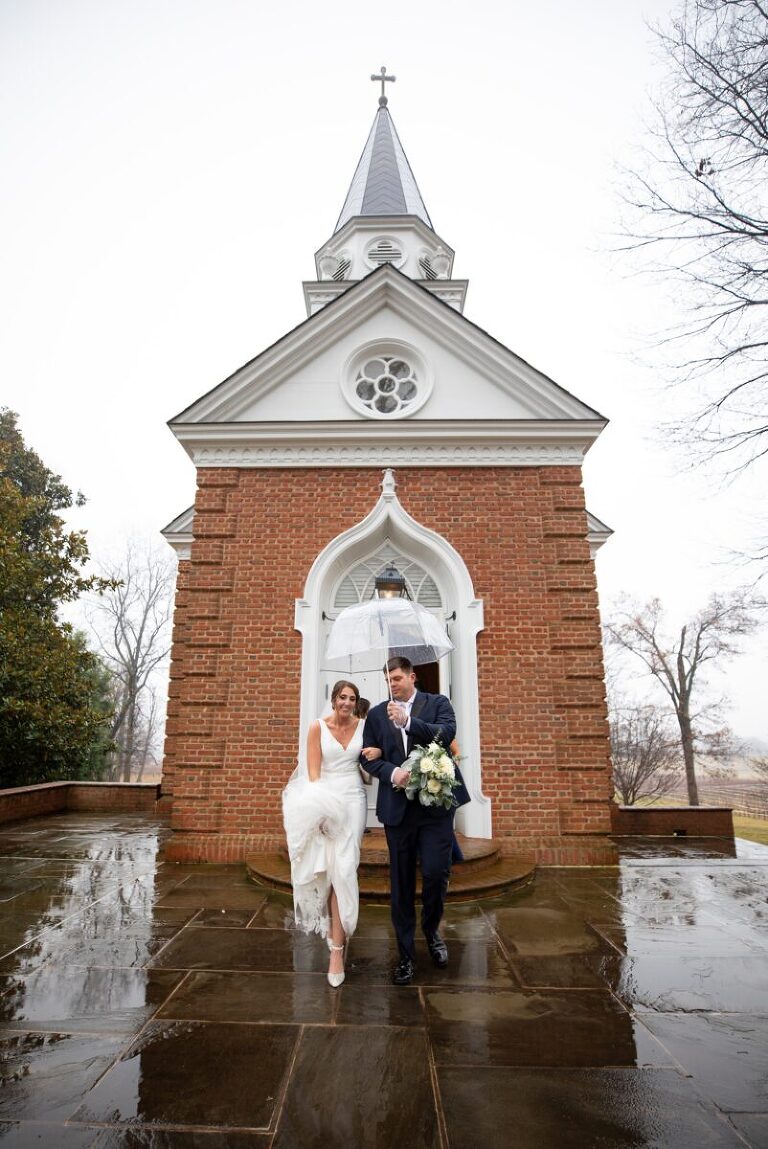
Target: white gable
[(460, 388), (466, 389)]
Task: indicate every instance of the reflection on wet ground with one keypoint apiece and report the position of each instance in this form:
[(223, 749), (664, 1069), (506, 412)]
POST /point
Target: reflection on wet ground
[(149, 1005)]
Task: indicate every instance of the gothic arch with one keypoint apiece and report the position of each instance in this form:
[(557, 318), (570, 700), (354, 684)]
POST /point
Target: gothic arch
[(390, 522)]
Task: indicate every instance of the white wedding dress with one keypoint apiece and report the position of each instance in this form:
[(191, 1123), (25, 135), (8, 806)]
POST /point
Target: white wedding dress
[(324, 823)]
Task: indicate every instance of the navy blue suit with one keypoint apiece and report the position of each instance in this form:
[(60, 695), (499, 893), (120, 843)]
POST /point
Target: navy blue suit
[(413, 831)]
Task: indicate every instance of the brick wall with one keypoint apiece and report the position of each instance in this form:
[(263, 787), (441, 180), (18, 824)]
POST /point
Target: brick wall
[(179, 644), (235, 675), (32, 801), (115, 797), (666, 821), (54, 797)]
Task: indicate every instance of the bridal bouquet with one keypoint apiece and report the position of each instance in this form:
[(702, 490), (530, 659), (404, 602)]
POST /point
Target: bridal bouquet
[(433, 776)]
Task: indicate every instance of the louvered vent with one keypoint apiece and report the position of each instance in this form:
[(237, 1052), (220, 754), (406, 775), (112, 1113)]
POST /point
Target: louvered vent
[(427, 268), (384, 252), (357, 585), (342, 269)]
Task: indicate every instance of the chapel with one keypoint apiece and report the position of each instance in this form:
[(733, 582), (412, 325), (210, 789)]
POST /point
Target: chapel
[(388, 431)]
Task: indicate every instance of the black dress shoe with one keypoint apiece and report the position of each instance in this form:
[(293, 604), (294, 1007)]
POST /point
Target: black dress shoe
[(438, 951), (403, 972)]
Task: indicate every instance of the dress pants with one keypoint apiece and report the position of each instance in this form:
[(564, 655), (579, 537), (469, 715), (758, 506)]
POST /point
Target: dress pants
[(425, 833)]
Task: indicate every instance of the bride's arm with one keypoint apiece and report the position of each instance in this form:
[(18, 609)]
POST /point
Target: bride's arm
[(314, 753), (377, 763)]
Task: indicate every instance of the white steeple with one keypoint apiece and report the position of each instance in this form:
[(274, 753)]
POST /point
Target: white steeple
[(383, 183), (383, 220)]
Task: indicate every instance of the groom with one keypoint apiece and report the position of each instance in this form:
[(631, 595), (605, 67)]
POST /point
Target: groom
[(411, 719)]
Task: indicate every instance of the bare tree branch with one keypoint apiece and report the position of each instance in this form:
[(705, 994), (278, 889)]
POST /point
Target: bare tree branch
[(698, 209), (130, 625), (645, 752), (712, 636)]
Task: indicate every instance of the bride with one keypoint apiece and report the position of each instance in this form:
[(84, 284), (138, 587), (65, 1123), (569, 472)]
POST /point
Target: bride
[(324, 809)]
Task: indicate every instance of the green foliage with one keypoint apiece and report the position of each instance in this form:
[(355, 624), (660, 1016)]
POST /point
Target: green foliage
[(54, 694)]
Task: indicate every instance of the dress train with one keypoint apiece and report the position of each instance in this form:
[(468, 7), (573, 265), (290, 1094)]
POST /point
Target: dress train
[(324, 823)]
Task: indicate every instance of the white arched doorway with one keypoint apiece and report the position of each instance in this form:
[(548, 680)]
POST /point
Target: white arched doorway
[(437, 576), (358, 586)]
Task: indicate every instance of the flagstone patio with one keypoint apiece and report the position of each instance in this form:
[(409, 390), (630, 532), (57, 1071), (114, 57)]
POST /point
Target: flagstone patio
[(145, 1004)]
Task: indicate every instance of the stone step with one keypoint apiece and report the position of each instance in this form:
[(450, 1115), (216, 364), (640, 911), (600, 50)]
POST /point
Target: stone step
[(499, 877), (484, 874), (478, 852)]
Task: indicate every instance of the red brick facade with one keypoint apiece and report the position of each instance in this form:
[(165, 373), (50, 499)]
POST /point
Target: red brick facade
[(235, 681)]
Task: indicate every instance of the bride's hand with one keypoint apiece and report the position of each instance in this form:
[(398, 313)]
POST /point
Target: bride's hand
[(371, 753)]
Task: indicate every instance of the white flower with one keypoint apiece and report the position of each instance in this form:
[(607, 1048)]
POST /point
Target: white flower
[(448, 770), (444, 761), (425, 765), (434, 785), (434, 748)]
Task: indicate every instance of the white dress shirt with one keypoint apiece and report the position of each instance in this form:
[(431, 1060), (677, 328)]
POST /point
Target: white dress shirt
[(408, 707)]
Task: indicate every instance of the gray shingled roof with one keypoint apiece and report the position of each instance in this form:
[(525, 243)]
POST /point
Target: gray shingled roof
[(383, 183)]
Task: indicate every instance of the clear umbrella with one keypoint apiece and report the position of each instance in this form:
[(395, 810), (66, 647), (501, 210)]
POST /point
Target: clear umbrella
[(364, 636)]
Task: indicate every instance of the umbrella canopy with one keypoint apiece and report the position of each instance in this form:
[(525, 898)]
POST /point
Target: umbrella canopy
[(364, 636)]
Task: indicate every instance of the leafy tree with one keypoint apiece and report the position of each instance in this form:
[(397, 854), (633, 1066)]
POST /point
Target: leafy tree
[(677, 661), (700, 214), (102, 701), (52, 698)]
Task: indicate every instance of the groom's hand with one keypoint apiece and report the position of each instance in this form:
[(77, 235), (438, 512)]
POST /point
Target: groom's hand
[(397, 713), (400, 776)]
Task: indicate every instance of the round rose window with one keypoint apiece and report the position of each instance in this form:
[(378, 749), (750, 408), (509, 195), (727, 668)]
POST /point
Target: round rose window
[(386, 380), (386, 385)]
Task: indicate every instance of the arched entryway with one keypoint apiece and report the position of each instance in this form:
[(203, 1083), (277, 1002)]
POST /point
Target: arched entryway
[(357, 585), (438, 578)]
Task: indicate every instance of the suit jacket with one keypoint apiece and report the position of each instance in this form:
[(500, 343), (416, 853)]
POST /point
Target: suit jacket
[(432, 719)]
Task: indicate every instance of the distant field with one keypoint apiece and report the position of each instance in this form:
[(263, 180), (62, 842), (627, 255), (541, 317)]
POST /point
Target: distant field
[(749, 798), (666, 800), (753, 829)]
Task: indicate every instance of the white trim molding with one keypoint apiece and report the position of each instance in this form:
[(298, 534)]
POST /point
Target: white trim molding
[(178, 533), (598, 533), (319, 293), (389, 521), (376, 443)]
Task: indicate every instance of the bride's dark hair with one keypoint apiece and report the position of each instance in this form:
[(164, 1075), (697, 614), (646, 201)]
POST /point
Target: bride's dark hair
[(339, 686)]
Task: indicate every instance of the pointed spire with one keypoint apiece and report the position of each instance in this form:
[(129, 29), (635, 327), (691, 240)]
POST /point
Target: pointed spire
[(383, 183)]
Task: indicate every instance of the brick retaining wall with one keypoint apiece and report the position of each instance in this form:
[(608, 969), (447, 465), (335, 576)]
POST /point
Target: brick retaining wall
[(669, 821), (55, 797)]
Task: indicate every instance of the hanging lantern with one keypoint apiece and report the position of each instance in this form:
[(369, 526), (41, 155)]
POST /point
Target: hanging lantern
[(390, 583)]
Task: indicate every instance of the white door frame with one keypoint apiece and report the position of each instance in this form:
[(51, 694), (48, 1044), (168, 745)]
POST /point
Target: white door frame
[(389, 521)]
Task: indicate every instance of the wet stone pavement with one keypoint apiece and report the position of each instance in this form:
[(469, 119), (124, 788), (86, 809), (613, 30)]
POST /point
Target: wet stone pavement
[(152, 1006)]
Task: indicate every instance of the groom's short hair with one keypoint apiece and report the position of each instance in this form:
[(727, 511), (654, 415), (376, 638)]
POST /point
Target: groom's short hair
[(398, 662)]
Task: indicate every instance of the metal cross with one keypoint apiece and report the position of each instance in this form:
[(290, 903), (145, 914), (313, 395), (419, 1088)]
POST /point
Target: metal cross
[(383, 78)]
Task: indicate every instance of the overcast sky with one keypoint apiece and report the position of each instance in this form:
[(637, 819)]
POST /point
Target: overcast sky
[(170, 167)]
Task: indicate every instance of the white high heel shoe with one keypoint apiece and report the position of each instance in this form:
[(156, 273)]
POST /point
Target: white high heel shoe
[(335, 979)]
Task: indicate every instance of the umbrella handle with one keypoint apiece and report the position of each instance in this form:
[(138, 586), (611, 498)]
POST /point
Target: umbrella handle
[(389, 684)]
